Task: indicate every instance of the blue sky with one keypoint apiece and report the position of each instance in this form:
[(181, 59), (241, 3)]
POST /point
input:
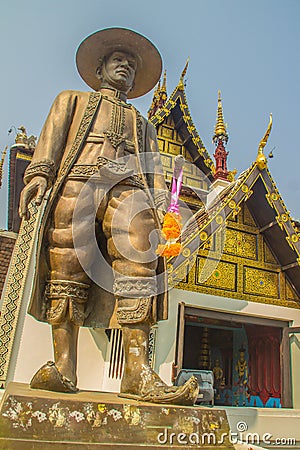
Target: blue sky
[(248, 50)]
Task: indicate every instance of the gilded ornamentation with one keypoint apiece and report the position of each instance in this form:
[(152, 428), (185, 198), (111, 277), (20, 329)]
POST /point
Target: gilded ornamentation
[(261, 282), (223, 277), (162, 116), (203, 236), (292, 240), (279, 221), (290, 293), (186, 252), (261, 160), (219, 220), (241, 244), (170, 268), (268, 255), (180, 275), (247, 217)]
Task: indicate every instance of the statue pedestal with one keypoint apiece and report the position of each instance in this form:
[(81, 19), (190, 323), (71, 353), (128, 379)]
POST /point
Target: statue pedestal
[(36, 419)]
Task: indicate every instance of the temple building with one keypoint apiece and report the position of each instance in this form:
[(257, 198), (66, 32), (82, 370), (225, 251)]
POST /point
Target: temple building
[(234, 306)]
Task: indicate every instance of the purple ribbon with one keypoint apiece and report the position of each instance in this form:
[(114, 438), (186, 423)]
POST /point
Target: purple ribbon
[(176, 184)]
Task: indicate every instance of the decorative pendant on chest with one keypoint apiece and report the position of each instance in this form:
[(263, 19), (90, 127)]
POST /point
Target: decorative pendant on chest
[(115, 132)]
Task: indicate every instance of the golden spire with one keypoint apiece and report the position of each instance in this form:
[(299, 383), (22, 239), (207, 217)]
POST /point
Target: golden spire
[(181, 84), (220, 128), (2, 163), (159, 97), (261, 159), (164, 84)]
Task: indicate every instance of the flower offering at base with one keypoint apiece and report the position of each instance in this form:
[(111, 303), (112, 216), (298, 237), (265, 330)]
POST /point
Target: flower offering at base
[(172, 225)]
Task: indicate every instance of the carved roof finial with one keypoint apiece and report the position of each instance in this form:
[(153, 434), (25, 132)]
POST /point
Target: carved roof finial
[(2, 164), (220, 128), (183, 73), (261, 159)]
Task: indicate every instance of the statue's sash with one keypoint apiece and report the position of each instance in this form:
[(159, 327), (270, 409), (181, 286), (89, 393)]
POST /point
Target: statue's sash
[(83, 131)]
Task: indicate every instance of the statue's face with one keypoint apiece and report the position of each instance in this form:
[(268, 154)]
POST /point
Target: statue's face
[(118, 71)]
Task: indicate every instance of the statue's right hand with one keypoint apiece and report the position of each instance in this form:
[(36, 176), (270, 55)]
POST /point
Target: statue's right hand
[(36, 188)]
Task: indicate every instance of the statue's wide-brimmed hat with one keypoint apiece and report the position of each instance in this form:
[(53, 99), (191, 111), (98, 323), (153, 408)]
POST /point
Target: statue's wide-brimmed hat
[(104, 42)]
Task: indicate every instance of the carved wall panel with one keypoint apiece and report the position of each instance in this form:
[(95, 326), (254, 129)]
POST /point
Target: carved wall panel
[(167, 132), (268, 255), (223, 277), (247, 217), (261, 282), (290, 292), (241, 244)]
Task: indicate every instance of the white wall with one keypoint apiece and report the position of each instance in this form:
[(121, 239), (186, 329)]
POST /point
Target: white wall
[(35, 349)]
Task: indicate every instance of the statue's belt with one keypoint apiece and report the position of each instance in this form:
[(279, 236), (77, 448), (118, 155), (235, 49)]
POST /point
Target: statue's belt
[(106, 171)]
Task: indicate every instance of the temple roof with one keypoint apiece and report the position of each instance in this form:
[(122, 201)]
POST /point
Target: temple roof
[(176, 106), (258, 190)]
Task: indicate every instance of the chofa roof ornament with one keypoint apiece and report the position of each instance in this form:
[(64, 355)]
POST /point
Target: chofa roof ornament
[(261, 160)]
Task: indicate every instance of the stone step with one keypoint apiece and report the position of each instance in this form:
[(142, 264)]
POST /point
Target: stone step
[(36, 419)]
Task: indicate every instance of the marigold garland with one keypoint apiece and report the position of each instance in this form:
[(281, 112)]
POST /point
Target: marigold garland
[(168, 250), (171, 228)]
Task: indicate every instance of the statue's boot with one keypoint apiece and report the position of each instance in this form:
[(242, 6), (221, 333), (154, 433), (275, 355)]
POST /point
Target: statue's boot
[(60, 376), (139, 380)]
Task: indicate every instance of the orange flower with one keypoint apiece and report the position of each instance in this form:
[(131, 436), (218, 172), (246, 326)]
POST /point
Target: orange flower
[(171, 228), (168, 250)]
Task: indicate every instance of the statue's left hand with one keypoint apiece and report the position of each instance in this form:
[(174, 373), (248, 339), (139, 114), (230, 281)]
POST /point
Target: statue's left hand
[(36, 188)]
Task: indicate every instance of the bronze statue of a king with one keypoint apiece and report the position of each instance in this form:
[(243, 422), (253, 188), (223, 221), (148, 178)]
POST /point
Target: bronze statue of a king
[(97, 166)]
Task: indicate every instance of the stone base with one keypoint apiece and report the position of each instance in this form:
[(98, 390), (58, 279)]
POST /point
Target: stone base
[(36, 419)]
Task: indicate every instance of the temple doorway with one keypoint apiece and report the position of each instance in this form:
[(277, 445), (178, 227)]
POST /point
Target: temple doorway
[(243, 352)]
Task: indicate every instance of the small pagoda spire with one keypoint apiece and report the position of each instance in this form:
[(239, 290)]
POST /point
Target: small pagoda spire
[(159, 97), (220, 128), (164, 83), (220, 139), (2, 164)]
